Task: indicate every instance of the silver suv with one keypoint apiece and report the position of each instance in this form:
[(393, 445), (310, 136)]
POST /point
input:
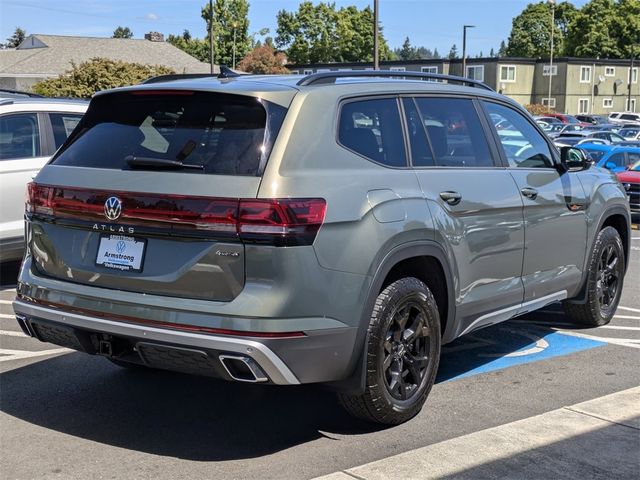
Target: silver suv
[(336, 228)]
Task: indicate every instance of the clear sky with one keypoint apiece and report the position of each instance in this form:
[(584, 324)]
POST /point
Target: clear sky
[(431, 23)]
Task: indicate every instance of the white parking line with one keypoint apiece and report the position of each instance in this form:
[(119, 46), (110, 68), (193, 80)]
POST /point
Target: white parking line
[(629, 309), (625, 342), (628, 317), (7, 355), (5, 315), (612, 327), (5, 302), (12, 333)]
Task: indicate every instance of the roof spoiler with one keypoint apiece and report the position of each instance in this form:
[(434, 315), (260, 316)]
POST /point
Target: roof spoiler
[(225, 72)]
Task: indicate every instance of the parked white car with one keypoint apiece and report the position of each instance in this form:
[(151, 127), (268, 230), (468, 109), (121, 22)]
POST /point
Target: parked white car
[(624, 117), (31, 130)]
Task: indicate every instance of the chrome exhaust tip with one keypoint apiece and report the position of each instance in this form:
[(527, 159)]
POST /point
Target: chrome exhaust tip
[(243, 369)]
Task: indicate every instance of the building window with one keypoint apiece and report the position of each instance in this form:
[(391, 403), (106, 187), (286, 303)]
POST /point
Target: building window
[(546, 68), (583, 105), (476, 72), (308, 72), (549, 102), (632, 107), (585, 74), (429, 70), (607, 103), (634, 76), (610, 71), (507, 73), (398, 69)]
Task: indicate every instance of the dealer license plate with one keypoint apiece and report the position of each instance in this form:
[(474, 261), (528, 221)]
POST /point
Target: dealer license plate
[(120, 252)]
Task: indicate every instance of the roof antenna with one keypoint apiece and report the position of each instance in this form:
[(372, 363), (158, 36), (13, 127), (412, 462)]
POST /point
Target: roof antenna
[(226, 72)]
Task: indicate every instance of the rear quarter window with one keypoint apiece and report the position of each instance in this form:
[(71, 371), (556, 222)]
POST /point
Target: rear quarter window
[(223, 134)]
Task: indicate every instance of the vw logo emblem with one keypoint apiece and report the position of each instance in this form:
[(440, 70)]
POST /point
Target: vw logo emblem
[(121, 247), (112, 208)]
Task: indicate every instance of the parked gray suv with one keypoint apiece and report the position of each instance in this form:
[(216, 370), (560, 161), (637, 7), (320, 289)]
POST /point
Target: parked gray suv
[(336, 228)]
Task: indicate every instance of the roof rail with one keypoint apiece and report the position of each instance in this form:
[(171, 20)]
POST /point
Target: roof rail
[(331, 77), (225, 72), (20, 93)]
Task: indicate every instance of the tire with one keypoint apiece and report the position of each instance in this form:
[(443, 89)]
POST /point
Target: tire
[(403, 351), (604, 281)]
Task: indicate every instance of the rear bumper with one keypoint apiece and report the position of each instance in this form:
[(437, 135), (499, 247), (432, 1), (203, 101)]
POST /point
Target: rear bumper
[(320, 356)]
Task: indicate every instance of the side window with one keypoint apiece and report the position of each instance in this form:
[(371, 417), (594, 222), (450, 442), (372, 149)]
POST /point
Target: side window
[(454, 132), (19, 137), (373, 129), (633, 157), (523, 145), (63, 124)]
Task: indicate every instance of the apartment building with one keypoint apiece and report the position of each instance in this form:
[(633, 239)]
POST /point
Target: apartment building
[(578, 85)]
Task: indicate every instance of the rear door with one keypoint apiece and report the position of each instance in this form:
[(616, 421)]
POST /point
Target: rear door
[(475, 205), (144, 196), (21, 156), (554, 209)]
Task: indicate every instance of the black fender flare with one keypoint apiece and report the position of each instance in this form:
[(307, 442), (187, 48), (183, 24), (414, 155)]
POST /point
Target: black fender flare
[(355, 383), (581, 296)]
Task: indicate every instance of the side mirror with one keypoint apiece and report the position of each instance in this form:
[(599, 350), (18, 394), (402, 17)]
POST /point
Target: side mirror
[(574, 159), (610, 166)]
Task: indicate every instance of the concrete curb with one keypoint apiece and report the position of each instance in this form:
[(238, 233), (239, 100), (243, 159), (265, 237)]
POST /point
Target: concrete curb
[(596, 439)]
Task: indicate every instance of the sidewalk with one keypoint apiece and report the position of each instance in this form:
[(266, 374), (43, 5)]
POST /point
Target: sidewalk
[(598, 439)]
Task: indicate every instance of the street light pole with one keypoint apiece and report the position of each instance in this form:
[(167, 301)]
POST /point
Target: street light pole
[(211, 33), (464, 48), (376, 63), (553, 24)]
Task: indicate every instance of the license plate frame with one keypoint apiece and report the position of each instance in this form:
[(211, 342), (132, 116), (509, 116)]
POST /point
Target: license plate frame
[(116, 249)]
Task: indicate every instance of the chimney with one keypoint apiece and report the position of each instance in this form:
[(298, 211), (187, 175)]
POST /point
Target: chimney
[(154, 37)]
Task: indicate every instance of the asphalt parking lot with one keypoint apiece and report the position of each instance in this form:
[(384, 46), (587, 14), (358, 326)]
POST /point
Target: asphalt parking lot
[(70, 415)]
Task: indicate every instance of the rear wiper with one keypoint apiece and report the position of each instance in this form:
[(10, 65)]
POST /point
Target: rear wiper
[(160, 163)]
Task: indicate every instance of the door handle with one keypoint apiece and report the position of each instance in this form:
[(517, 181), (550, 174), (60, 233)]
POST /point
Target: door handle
[(452, 198), (529, 192)]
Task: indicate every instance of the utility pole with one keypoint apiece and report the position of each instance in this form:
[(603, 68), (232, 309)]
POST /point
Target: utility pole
[(464, 48), (211, 33), (235, 26), (553, 25), (376, 40), (630, 78)]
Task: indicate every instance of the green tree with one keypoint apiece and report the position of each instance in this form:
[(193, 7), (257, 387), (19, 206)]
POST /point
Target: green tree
[(531, 30), (122, 32), (436, 54), (196, 47), (16, 39), (320, 33), (229, 17), (264, 60), (502, 51), (85, 79), (492, 53), (453, 53), (407, 52), (605, 28)]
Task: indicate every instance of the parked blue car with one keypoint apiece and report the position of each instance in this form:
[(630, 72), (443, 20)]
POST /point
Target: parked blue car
[(613, 158)]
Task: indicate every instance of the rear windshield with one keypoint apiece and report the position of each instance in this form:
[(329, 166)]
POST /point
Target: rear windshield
[(223, 134)]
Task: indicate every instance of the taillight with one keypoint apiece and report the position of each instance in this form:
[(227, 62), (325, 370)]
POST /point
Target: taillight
[(283, 222), (279, 222)]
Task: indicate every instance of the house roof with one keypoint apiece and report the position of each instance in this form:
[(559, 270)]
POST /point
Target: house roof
[(53, 54)]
